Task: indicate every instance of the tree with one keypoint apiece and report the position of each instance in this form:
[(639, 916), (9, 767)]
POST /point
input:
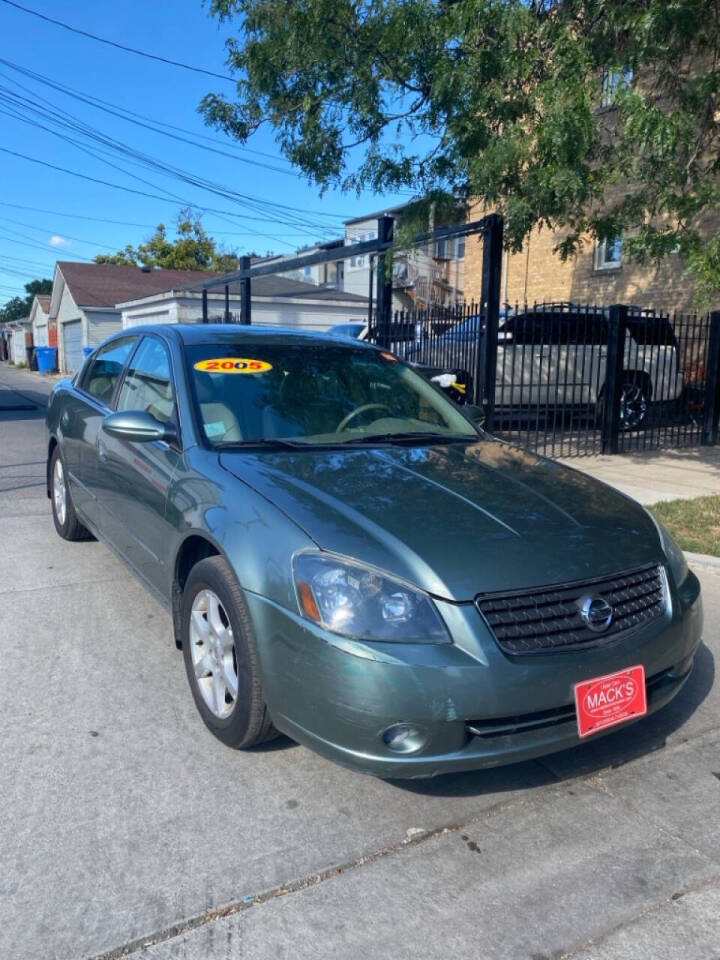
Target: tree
[(601, 117), (19, 307), (192, 249)]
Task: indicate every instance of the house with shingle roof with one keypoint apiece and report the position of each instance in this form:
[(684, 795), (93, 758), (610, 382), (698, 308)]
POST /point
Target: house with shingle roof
[(39, 321), (84, 297)]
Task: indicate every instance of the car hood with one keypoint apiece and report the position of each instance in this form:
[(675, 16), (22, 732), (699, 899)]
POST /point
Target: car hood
[(456, 519)]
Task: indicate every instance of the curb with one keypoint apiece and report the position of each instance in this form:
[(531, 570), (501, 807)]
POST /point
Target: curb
[(703, 560)]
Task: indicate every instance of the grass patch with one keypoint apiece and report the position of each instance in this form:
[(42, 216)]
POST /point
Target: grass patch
[(695, 524)]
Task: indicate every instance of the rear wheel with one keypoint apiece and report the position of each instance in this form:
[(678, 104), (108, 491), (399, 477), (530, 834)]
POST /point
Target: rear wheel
[(66, 521), (635, 393), (221, 660)]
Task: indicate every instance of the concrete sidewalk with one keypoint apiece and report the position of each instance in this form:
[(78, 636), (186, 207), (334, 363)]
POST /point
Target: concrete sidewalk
[(653, 475)]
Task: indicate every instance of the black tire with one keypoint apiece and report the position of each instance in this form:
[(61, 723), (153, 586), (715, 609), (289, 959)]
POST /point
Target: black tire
[(249, 722), (636, 392), (69, 527)]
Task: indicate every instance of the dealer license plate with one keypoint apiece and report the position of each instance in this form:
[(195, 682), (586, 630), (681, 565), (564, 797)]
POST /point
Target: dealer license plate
[(609, 700)]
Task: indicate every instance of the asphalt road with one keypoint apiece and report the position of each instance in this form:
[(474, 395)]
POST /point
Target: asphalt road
[(128, 831)]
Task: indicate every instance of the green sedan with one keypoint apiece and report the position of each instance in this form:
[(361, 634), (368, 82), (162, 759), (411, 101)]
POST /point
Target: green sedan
[(350, 562)]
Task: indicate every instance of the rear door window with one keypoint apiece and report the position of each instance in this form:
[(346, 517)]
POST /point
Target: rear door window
[(105, 368)]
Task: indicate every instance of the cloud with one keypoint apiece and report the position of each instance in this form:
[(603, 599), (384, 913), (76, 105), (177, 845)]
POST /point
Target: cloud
[(57, 241)]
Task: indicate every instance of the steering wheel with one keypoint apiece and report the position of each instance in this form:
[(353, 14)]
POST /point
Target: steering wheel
[(354, 413)]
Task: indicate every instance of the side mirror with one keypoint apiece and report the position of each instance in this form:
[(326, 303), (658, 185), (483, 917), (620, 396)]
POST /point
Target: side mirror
[(138, 426), (476, 414)]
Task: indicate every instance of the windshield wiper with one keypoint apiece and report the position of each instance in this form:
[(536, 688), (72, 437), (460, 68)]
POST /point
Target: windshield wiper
[(268, 443), (413, 436), (261, 442)]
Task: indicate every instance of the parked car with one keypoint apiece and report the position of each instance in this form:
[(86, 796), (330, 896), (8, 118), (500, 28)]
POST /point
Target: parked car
[(349, 561), (356, 331), (555, 356)]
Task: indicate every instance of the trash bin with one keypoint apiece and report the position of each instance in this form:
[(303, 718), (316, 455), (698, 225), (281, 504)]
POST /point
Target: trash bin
[(46, 359), (31, 358)]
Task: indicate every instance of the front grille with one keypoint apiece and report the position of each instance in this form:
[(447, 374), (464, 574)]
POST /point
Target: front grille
[(549, 619)]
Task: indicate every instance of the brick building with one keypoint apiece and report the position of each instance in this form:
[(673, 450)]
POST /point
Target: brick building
[(597, 275)]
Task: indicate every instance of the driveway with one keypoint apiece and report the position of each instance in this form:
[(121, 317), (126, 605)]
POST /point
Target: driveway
[(127, 830)]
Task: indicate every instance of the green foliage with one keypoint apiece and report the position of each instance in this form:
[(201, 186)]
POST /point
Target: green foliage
[(500, 100), (19, 307), (192, 249)]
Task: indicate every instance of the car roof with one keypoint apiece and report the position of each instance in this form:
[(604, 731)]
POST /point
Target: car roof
[(196, 333)]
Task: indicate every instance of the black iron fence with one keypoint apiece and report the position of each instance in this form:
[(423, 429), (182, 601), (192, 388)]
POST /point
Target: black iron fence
[(569, 380)]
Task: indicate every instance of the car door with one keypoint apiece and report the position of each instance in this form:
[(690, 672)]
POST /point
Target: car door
[(83, 412), (523, 359), (135, 477)]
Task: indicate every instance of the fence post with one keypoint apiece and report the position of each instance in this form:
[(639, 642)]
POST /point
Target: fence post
[(226, 317), (383, 270), (245, 294), (486, 370), (370, 293), (617, 324), (204, 306), (711, 406)]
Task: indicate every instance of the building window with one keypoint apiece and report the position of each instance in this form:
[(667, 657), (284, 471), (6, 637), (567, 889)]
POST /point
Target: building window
[(613, 82), (441, 249), (460, 248), (308, 271), (608, 254)]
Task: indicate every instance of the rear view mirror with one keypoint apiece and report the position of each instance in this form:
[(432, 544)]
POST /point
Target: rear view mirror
[(138, 426)]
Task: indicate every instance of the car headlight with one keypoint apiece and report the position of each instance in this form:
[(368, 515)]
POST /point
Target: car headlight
[(674, 555), (362, 603)]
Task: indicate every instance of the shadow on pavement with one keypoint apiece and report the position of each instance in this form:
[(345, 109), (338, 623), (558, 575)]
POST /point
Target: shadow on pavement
[(21, 402)]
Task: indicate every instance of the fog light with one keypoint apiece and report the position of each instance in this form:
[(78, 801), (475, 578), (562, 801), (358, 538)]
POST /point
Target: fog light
[(404, 738)]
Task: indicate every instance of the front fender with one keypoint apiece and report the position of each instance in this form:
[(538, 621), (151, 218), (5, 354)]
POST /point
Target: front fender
[(257, 539)]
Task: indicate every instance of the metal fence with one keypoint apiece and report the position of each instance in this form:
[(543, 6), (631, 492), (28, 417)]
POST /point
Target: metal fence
[(569, 380)]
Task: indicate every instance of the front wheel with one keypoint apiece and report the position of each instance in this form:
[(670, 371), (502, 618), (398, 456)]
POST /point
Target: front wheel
[(221, 657)]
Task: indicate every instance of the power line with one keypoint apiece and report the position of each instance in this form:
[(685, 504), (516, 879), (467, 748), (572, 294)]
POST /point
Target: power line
[(29, 242), (76, 216), (118, 46), (67, 236), (147, 123), (125, 223), (285, 213)]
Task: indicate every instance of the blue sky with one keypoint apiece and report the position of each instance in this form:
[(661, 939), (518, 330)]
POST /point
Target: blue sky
[(32, 239)]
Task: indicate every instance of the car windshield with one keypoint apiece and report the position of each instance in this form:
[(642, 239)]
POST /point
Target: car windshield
[(315, 393)]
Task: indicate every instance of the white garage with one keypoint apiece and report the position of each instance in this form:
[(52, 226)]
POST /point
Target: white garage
[(39, 319), (275, 301), (72, 353)]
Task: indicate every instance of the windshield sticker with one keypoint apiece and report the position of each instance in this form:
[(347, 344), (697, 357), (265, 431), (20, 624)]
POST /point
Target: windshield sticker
[(233, 365), (215, 429)]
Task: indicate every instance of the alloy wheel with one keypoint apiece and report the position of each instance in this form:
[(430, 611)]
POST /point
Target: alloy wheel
[(59, 491), (212, 649), (633, 406)]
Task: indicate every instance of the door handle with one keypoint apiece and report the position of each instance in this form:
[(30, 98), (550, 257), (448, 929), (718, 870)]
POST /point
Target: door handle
[(66, 420)]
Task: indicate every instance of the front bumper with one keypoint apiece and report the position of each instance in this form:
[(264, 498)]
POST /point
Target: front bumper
[(474, 705)]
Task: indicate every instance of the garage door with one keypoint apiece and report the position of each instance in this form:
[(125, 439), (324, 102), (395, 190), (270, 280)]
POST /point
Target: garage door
[(41, 335), (72, 339)]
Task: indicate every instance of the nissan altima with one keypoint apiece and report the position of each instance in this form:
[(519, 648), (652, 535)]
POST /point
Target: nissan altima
[(348, 560)]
